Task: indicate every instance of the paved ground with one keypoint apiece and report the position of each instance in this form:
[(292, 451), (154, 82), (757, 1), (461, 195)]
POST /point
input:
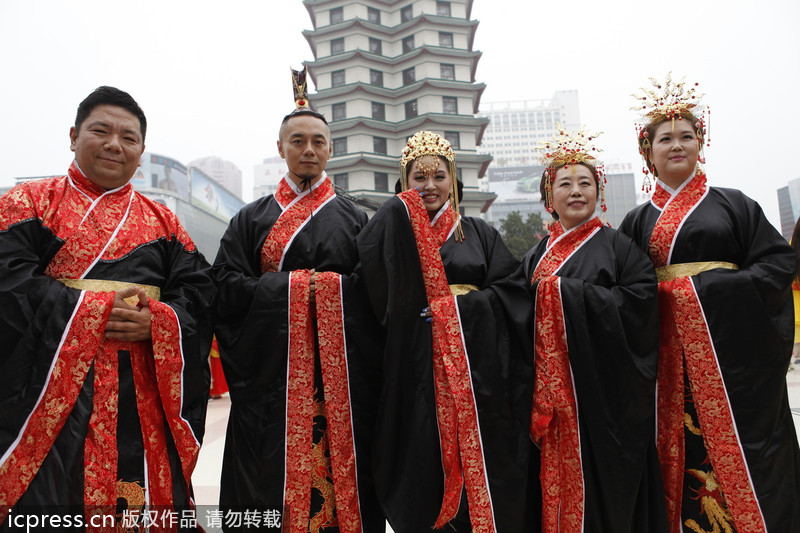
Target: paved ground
[(206, 476)]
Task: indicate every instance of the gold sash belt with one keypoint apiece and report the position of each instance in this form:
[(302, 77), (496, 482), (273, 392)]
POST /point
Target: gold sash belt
[(678, 270), (462, 288), (102, 285)]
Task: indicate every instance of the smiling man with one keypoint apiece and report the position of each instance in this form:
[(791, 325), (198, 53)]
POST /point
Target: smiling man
[(105, 333), (295, 336)]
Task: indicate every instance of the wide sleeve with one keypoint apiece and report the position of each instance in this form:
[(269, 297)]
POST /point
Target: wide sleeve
[(251, 308), (182, 328), (749, 311)]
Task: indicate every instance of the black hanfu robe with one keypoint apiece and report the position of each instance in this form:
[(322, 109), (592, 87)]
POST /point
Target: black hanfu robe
[(596, 343), (278, 373), (74, 406), (726, 440), (416, 446)]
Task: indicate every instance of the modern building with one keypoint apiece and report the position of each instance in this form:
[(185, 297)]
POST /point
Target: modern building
[(385, 69), (223, 172), (789, 207), (267, 175), (517, 127)]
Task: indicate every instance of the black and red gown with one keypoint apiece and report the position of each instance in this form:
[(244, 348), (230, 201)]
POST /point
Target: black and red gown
[(726, 440), (303, 377), (596, 344), (74, 406), (452, 450)]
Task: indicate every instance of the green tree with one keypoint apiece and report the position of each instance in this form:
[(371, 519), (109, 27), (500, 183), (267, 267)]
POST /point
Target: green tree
[(521, 236)]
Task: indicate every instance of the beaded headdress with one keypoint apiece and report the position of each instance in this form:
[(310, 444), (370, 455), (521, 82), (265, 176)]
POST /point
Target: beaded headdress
[(668, 101), (429, 146), (570, 148)]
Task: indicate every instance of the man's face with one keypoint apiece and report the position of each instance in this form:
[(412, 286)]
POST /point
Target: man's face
[(305, 145), (109, 145)]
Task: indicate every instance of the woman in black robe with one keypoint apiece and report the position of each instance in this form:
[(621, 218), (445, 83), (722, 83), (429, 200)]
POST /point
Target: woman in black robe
[(452, 450), (726, 440), (596, 345)]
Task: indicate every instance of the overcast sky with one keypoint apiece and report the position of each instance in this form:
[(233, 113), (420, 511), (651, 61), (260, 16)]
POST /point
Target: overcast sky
[(212, 76)]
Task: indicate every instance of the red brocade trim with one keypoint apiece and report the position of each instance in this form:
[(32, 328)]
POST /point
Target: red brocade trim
[(152, 422), (670, 399), (333, 362), (299, 404), (713, 409), (560, 249), (554, 419), (291, 220), (169, 373), (459, 430), (100, 453), (673, 214), (72, 364)]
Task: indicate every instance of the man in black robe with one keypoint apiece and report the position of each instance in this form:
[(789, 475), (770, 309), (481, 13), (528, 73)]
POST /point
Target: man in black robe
[(293, 331), (85, 373)]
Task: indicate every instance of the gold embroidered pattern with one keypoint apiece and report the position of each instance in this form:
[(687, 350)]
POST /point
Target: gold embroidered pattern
[(321, 476)]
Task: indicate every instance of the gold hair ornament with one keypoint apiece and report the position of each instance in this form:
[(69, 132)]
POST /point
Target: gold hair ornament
[(299, 85), (570, 148), (668, 101), (427, 143)]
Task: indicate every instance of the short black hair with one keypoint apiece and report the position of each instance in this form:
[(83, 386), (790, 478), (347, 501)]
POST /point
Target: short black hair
[(300, 113), (106, 95)]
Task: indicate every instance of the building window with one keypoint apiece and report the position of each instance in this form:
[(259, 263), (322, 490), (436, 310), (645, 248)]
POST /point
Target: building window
[(408, 44), (375, 46), (339, 111), (378, 111), (443, 9), (447, 71), (445, 39), (337, 78), (337, 15), (339, 146), (455, 139), (374, 15), (450, 105), (409, 76), (407, 13), (381, 181), (337, 46), (341, 180), (411, 109), (376, 77), (379, 145)]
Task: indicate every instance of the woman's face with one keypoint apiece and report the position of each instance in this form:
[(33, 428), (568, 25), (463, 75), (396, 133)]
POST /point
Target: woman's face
[(430, 176), (675, 151), (574, 194)]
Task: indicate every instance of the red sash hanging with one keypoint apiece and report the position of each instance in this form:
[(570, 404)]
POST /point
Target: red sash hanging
[(296, 211), (554, 418), (331, 341), (299, 404), (335, 377), (686, 346), (459, 429)]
